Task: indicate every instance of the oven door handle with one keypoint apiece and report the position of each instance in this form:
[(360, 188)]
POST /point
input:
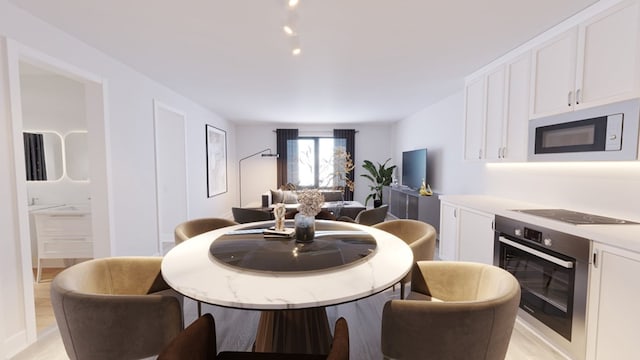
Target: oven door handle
[(565, 264)]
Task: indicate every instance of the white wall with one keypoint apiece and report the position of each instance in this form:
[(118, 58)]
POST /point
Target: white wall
[(373, 142), (130, 167), (440, 128)]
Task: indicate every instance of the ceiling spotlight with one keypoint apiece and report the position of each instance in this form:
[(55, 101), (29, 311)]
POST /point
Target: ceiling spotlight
[(293, 3), (288, 30), (295, 45)]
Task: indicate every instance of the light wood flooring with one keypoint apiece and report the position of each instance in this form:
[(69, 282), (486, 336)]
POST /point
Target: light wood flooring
[(236, 329), (44, 311)]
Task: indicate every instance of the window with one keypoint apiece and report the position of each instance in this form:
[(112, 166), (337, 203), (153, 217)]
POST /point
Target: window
[(311, 162)]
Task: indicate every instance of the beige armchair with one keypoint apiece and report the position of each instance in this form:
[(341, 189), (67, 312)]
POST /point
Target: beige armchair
[(369, 217), (456, 310), (420, 236), (115, 308), (191, 228)]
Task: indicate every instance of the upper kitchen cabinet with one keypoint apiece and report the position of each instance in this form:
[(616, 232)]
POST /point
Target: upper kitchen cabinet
[(475, 114), (595, 63), (553, 75), (497, 112)]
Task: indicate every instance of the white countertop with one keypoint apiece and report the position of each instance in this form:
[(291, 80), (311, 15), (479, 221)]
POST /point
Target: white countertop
[(190, 270), (625, 236)]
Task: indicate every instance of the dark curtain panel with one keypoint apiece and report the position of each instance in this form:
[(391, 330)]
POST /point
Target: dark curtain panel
[(350, 136), (283, 137), (34, 157)]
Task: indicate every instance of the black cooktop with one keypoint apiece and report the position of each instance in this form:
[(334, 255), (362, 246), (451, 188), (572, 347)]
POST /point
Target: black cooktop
[(574, 217)]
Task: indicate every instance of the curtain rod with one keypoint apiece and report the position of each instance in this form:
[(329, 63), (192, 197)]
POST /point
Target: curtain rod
[(356, 131)]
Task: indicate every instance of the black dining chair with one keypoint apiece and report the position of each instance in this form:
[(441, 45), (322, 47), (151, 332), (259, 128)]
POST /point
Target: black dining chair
[(198, 342), (244, 215)]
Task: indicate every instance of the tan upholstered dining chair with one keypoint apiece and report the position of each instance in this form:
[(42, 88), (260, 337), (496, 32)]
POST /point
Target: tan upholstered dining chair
[(191, 228), (420, 236), (115, 308), (456, 310), (369, 216), (198, 342)]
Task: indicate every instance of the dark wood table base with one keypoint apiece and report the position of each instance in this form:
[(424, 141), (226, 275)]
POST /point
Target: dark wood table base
[(304, 331)]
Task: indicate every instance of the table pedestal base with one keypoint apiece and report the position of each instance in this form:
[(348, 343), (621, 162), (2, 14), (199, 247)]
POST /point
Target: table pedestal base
[(294, 331)]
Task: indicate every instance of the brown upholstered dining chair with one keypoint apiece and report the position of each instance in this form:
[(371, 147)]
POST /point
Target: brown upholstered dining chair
[(115, 308), (245, 215), (420, 236), (191, 228), (369, 216), (198, 342), (456, 310)]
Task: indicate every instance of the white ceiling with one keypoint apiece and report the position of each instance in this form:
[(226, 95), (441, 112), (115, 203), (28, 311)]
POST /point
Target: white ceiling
[(362, 60)]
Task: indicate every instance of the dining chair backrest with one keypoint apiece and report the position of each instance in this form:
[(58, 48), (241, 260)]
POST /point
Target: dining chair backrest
[(115, 308), (420, 236), (245, 215), (456, 310), (372, 216), (191, 228)]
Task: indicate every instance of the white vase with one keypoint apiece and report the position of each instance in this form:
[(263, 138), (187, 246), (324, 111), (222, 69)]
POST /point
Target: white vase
[(305, 227)]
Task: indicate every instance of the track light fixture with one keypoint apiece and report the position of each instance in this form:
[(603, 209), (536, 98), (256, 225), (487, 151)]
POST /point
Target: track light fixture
[(290, 27)]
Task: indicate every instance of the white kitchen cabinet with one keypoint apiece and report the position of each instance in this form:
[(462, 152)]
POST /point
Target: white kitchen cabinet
[(553, 75), (497, 113), (594, 63), (496, 119), (448, 232), (516, 128), (475, 114), (475, 236), (614, 316), (63, 234), (465, 234), (608, 67)]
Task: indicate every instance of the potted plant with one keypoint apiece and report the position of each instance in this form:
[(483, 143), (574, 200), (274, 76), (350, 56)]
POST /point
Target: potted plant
[(380, 176)]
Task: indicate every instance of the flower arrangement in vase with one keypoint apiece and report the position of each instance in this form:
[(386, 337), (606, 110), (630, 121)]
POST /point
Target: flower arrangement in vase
[(310, 203)]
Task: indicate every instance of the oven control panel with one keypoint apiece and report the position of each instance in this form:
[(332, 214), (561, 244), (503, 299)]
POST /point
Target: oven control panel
[(532, 235)]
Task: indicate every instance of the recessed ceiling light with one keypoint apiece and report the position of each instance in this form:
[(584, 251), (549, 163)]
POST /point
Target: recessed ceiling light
[(293, 3), (296, 51), (288, 30)]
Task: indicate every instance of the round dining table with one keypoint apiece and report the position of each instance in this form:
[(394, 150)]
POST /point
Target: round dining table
[(242, 267)]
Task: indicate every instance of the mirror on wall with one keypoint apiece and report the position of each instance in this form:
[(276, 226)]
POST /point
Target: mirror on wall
[(43, 155), (77, 155)]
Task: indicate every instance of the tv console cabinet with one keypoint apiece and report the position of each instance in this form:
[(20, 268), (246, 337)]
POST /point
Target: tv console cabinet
[(408, 204)]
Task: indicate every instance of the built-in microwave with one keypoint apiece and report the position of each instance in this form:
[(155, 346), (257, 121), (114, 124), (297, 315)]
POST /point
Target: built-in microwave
[(608, 132)]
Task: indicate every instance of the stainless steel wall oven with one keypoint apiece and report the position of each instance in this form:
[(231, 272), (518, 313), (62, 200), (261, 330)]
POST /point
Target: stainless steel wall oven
[(552, 268)]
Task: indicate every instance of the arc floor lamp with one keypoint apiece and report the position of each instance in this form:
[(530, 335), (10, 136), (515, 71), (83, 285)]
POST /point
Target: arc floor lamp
[(263, 153)]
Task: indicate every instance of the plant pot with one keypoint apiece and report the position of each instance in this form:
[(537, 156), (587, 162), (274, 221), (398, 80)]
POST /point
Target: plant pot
[(305, 228), (377, 203)]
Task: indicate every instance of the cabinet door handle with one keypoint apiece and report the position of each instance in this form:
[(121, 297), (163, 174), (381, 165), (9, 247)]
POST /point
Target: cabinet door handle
[(578, 96), (569, 98), (480, 154), (504, 152)]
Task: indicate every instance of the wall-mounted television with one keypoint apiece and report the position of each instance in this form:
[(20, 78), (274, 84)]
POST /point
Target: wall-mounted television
[(414, 168)]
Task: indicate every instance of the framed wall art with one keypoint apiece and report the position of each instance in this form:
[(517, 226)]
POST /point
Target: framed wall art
[(216, 161)]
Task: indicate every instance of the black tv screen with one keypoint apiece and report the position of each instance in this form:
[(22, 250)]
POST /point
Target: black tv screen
[(414, 168)]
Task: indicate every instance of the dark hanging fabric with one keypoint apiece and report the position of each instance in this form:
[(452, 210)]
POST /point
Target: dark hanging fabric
[(350, 136), (283, 146), (34, 157)]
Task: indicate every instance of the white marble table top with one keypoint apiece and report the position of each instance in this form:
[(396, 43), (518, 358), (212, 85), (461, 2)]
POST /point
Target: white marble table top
[(190, 269)]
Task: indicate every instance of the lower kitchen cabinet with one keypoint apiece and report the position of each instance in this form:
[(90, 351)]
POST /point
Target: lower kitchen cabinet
[(614, 315), (465, 234)]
